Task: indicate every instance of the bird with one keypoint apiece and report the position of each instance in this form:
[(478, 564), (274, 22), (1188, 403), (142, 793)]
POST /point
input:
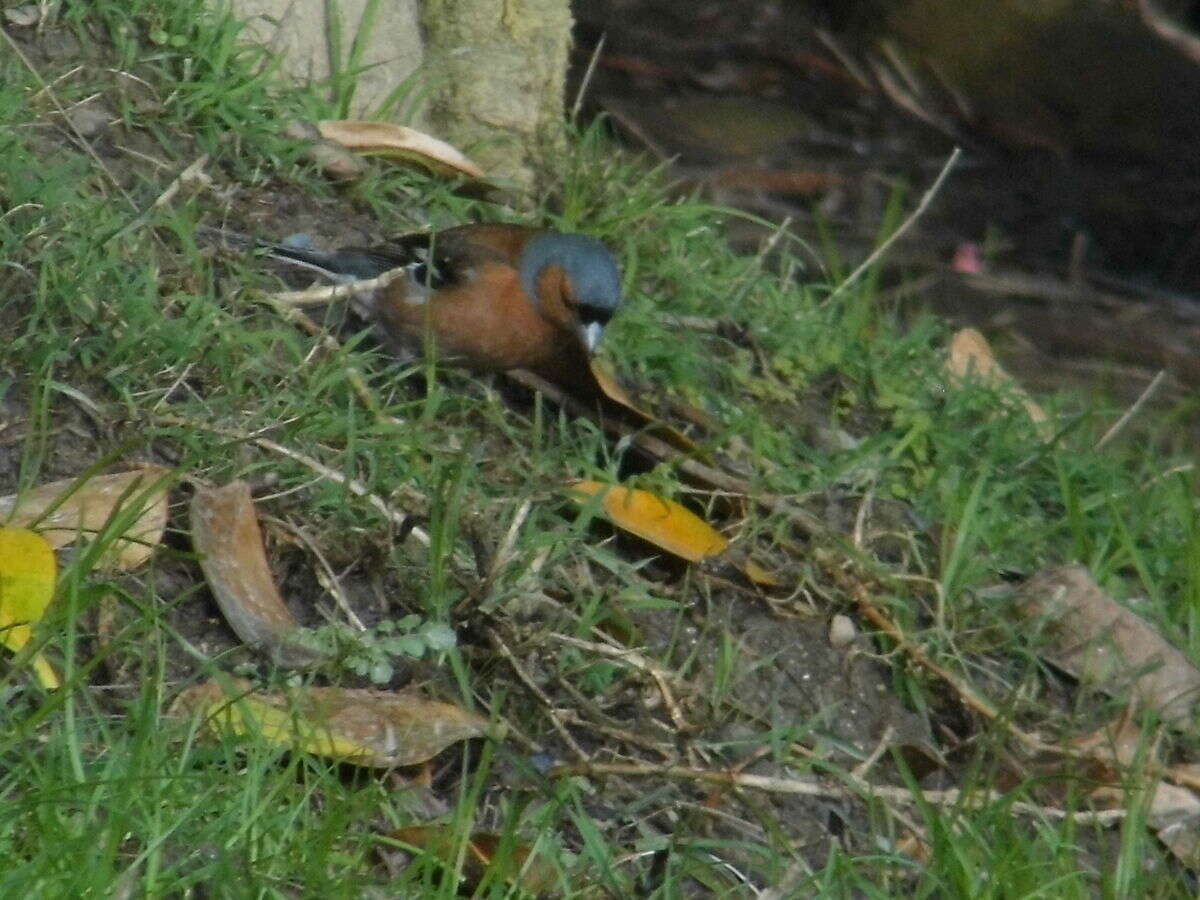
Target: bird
[(488, 297)]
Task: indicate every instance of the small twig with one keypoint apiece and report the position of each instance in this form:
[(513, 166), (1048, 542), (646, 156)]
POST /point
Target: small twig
[(859, 591), (951, 797), (630, 124), (1120, 424), (504, 552), (536, 690), (321, 293), (587, 77), (848, 63), (860, 518), (194, 172), (634, 659), (907, 224), (885, 740), (358, 384), (187, 370), (620, 734), (403, 522), (334, 585), (917, 654), (695, 323)]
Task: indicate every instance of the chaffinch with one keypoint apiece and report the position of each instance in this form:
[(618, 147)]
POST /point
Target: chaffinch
[(491, 297)]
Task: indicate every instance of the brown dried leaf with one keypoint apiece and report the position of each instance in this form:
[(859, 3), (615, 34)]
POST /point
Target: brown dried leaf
[(970, 354), (1173, 812), (399, 142), (608, 388), (1174, 815), (331, 158), (1117, 744), (519, 869), (24, 16), (90, 506), (1098, 640), (225, 533), (364, 727)]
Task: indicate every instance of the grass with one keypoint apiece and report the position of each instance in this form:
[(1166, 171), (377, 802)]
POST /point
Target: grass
[(137, 344)]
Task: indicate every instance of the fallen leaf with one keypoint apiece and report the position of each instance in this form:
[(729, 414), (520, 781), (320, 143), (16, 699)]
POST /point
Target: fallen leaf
[(63, 510), (1116, 744), (399, 142), (664, 523), (225, 533), (608, 387), (368, 728), (27, 573), (519, 867), (24, 16), (1098, 640), (669, 526), (970, 354), (1173, 813), (332, 159)]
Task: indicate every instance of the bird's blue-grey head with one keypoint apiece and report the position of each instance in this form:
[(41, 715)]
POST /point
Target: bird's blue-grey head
[(591, 272)]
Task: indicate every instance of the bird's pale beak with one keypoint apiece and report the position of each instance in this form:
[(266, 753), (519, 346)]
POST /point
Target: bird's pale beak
[(591, 334)]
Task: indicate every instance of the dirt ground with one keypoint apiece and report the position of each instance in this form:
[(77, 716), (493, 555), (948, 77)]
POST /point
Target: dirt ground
[(783, 675)]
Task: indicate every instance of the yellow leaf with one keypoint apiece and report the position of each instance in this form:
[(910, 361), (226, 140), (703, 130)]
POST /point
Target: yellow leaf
[(368, 728), (27, 572), (662, 522)]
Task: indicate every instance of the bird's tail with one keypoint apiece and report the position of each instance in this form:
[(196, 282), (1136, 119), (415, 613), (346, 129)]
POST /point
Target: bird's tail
[(339, 266)]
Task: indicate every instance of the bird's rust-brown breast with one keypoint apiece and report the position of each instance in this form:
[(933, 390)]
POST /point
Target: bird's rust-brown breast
[(481, 316), (487, 322)]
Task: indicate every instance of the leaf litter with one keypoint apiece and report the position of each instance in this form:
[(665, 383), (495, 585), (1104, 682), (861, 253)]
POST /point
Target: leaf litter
[(351, 727)]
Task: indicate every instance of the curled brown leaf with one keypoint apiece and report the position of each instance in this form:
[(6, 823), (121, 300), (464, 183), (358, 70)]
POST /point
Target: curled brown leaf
[(225, 533)]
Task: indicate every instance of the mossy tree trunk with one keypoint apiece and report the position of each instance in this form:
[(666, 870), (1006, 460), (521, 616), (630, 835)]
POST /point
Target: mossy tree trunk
[(492, 72), (495, 70)]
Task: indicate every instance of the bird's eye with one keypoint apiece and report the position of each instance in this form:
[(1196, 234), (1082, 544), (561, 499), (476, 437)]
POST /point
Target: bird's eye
[(593, 312), (435, 277)]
